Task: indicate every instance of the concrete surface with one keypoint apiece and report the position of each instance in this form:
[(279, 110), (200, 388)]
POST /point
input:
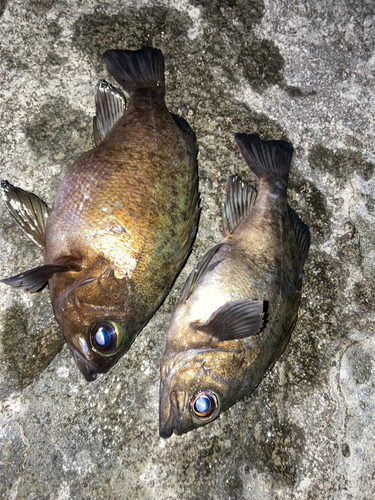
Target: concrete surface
[(298, 70)]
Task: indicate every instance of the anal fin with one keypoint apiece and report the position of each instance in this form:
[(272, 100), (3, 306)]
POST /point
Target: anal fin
[(302, 235)]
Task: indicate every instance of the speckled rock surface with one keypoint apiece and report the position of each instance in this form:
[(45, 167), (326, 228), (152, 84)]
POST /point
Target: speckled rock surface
[(296, 70)]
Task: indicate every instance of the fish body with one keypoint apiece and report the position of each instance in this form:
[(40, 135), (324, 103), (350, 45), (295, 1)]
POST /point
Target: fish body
[(240, 303), (123, 219)]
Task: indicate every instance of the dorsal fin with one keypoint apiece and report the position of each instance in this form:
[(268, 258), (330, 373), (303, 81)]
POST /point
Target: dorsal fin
[(239, 199), (110, 106), (199, 270), (302, 235), (234, 320), (28, 211)]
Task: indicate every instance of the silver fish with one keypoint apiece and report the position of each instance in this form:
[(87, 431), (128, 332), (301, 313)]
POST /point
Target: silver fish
[(240, 303)]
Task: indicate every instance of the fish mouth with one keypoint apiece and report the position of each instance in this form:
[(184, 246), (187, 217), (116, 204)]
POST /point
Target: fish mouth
[(87, 369), (173, 423)]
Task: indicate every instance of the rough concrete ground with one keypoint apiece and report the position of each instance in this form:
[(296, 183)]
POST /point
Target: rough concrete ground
[(297, 70)]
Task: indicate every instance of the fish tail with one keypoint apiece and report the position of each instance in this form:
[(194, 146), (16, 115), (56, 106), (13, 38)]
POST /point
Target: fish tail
[(266, 159), (137, 69)]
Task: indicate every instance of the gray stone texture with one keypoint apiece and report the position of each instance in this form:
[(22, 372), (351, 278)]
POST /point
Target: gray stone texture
[(297, 70)]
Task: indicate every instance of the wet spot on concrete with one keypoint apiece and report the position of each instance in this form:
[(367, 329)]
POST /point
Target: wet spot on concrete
[(41, 7), (305, 366), (319, 321), (311, 205), (232, 483), (54, 59), (231, 13), (297, 92), (345, 450), (324, 284), (340, 164), (364, 293), (353, 142), (348, 247), (273, 446), (27, 351), (262, 63), (361, 364), (369, 202), (230, 25), (129, 29), (12, 453), (54, 29), (57, 131)]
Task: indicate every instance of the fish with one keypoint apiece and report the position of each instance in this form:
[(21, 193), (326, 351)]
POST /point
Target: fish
[(240, 303), (123, 220)]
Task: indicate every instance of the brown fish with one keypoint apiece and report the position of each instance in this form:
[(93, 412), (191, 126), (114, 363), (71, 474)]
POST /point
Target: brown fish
[(239, 306), (123, 219)]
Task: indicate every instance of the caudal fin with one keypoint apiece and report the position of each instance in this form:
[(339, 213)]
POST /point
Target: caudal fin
[(137, 69), (265, 158)]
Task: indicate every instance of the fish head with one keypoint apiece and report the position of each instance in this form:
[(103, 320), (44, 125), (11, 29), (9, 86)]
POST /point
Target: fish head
[(90, 312), (196, 386)]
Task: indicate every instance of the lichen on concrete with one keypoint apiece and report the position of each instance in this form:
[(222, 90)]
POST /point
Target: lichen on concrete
[(300, 71)]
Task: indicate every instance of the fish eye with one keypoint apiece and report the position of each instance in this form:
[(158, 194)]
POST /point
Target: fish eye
[(107, 337), (204, 405)]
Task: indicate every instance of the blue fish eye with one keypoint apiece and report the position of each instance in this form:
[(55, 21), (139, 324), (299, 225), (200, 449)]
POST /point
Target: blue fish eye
[(204, 405), (107, 337), (102, 337)]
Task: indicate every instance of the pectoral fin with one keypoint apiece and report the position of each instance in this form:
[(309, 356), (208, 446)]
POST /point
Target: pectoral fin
[(235, 320), (29, 212), (110, 106), (36, 279)]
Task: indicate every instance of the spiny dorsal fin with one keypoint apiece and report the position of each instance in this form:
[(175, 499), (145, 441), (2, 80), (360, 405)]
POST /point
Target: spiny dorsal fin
[(234, 320), (239, 199), (266, 158), (137, 69), (29, 212), (35, 279), (199, 270), (110, 106), (302, 235)]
